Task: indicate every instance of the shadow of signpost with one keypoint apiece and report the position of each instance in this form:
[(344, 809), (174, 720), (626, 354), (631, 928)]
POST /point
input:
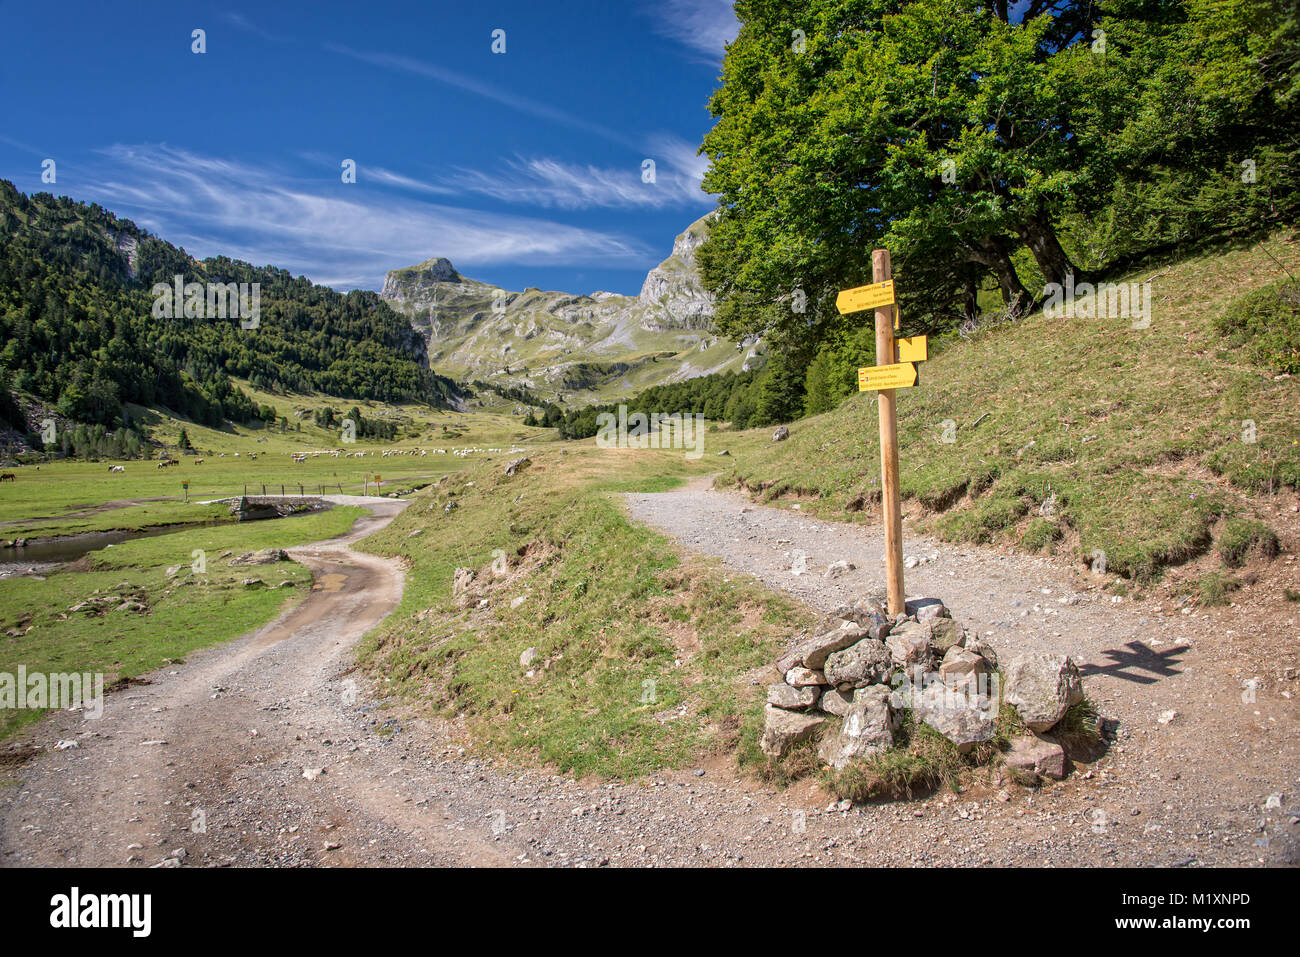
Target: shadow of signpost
[(1129, 664)]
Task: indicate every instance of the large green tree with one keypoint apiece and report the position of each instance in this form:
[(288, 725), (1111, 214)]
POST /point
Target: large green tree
[(964, 135)]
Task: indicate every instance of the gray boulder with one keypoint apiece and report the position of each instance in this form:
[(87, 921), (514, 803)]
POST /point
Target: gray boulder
[(984, 650), (864, 663), (813, 652), (964, 720), (909, 645), (946, 633), (781, 434), (836, 702), (869, 614), (265, 556), (864, 731), (1036, 756), (782, 730), (961, 667), (1042, 687), (804, 678), (461, 581), (927, 609), (783, 695), (837, 568)]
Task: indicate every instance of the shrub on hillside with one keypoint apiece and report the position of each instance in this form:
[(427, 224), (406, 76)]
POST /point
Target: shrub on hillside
[(1267, 323)]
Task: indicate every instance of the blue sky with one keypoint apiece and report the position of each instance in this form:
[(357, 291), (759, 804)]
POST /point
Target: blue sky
[(523, 168)]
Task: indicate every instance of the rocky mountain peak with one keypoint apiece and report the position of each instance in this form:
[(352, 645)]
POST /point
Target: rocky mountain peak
[(673, 290)]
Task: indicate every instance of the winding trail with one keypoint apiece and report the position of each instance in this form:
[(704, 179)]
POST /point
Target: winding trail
[(204, 765)]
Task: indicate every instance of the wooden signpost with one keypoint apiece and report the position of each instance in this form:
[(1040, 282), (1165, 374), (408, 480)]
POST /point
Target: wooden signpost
[(885, 377)]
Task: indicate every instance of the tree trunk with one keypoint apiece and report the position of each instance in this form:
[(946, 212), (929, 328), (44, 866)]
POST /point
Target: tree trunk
[(1039, 235), (994, 252), (971, 300)]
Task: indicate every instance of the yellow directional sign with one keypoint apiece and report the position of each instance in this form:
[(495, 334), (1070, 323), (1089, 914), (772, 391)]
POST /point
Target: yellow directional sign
[(901, 375), (912, 350), (866, 297)]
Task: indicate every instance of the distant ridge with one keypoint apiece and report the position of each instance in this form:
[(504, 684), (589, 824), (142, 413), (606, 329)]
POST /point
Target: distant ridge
[(576, 348)]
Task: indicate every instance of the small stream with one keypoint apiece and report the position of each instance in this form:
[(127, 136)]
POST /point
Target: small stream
[(39, 557)]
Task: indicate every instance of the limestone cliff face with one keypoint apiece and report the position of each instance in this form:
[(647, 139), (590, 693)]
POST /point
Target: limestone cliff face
[(672, 294), (558, 343)]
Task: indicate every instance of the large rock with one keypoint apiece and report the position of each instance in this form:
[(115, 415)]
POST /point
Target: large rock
[(983, 649), (926, 609), (837, 568), (944, 634), (813, 652), (964, 720), (836, 702), (1037, 756), (783, 695), (781, 434), (1042, 687), (864, 663), (870, 614), (804, 678), (462, 580), (963, 668), (266, 556), (864, 731), (909, 645), (782, 730)]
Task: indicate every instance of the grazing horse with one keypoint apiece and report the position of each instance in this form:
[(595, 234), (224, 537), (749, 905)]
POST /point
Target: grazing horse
[(198, 461), (117, 468), (8, 477)]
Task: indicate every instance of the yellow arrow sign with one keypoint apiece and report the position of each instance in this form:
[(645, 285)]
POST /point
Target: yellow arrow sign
[(901, 375), (866, 297), (912, 349)]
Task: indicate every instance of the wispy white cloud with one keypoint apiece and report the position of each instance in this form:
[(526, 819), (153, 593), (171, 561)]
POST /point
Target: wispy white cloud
[(389, 178), (19, 144), (703, 26), (522, 104), (346, 235), (241, 22), (551, 183)]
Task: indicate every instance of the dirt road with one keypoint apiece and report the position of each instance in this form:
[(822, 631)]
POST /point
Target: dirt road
[(268, 751)]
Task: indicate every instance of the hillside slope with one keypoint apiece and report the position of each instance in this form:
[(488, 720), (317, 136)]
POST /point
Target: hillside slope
[(578, 348), (1132, 449), (83, 328)]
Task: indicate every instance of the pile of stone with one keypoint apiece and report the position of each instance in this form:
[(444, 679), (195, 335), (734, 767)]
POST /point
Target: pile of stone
[(866, 668)]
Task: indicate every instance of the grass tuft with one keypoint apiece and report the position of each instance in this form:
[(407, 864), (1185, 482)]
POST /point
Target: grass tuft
[(1242, 537)]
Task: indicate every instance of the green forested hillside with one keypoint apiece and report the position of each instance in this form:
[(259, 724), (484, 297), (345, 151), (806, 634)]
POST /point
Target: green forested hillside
[(76, 311)]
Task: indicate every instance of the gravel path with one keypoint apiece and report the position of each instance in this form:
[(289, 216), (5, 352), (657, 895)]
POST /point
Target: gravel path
[(214, 761)]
